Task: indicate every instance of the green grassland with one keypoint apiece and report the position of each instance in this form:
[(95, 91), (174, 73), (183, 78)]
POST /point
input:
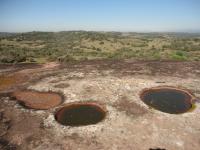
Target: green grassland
[(41, 47)]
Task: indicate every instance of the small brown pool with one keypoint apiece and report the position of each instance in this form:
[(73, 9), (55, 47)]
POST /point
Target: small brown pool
[(38, 100), (9, 81), (80, 114), (168, 99)]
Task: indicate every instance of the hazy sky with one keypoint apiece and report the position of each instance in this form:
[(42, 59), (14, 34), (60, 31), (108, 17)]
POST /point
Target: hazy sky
[(101, 15)]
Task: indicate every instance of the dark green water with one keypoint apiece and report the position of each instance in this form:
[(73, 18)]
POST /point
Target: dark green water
[(80, 115), (168, 100)]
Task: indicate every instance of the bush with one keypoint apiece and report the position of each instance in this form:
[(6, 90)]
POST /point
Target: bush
[(66, 58), (98, 49), (101, 43), (12, 59), (179, 55), (10, 55)]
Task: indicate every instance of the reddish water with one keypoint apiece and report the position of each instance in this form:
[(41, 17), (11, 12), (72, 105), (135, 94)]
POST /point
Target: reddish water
[(80, 114), (38, 100)]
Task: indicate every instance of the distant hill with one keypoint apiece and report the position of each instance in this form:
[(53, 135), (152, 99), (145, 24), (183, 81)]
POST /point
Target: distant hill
[(6, 34)]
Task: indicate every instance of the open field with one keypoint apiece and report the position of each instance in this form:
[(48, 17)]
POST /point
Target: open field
[(116, 86), (41, 47)]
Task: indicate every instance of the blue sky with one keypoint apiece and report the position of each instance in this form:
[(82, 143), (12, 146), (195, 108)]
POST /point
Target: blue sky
[(100, 15)]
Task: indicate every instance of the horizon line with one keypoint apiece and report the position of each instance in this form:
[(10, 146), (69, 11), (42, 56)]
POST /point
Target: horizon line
[(106, 31)]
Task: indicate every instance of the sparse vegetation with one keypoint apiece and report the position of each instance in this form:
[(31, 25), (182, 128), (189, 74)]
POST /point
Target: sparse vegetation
[(80, 45), (179, 55)]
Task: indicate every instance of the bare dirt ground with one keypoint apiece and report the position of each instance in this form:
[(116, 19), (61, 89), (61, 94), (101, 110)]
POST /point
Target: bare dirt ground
[(116, 85)]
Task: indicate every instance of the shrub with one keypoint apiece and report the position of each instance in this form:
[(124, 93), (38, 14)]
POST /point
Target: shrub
[(101, 43), (98, 49), (66, 58), (179, 55)]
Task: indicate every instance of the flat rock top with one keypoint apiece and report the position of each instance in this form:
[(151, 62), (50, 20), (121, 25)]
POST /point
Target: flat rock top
[(129, 124)]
